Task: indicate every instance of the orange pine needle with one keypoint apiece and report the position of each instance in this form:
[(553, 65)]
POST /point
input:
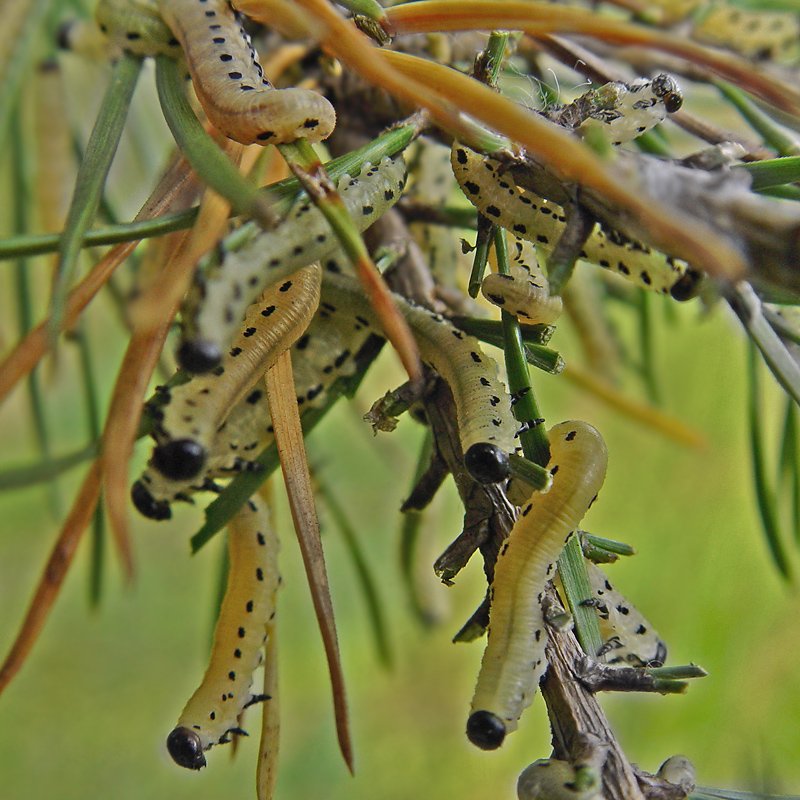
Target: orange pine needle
[(54, 573)]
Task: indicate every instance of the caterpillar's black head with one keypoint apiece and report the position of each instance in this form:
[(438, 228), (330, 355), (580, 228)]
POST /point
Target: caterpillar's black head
[(664, 86), (485, 730), (186, 749), (147, 505), (180, 459), (487, 463), (686, 287), (198, 356)]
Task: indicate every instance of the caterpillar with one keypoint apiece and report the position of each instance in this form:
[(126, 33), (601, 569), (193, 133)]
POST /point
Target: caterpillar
[(628, 637), (230, 83), (194, 414), (514, 658), (246, 620), (483, 408), (325, 352), (541, 221), (553, 779), (524, 292), (217, 301), (623, 110), (136, 26)]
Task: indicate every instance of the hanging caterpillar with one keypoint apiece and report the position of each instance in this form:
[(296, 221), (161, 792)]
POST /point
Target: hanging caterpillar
[(622, 110), (194, 414), (230, 83), (628, 637), (553, 779), (136, 26), (485, 424), (246, 620), (514, 659), (325, 352), (525, 291), (541, 221), (216, 303)]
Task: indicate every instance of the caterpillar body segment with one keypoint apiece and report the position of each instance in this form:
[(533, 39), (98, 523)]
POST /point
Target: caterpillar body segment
[(137, 26), (553, 779), (217, 302), (197, 409), (514, 659), (245, 622), (483, 408), (230, 83), (542, 222), (623, 111), (628, 637), (325, 352), (525, 291)]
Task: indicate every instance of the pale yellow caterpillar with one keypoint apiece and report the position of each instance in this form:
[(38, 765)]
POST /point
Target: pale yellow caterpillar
[(483, 408), (623, 111), (325, 352), (230, 83), (628, 638), (755, 34), (246, 619), (194, 414), (542, 222), (514, 659), (552, 779), (136, 26), (216, 304), (525, 291)]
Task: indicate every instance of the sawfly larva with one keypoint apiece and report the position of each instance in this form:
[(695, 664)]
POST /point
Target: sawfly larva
[(552, 779), (246, 619), (524, 292), (483, 409), (217, 302), (514, 659), (230, 83), (136, 26), (193, 415), (542, 222)]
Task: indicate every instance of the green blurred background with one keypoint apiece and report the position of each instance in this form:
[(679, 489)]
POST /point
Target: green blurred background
[(88, 715)]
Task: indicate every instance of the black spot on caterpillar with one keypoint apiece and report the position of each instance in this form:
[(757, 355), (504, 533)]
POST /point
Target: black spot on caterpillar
[(247, 611), (542, 222), (136, 26), (628, 637), (253, 258), (525, 291), (483, 407), (623, 111), (514, 659), (196, 411), (325, 352), (230, 83), (552, 779)]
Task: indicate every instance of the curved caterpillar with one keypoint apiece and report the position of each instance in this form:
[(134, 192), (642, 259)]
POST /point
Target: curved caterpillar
[(524, 292), (194, 414), (246, 619), (322, 354), (136, 26), (230, 84), (217, 302), (483, 409), (514, 659), (628, 637), (552, 779), (541, 221), (623, 110)]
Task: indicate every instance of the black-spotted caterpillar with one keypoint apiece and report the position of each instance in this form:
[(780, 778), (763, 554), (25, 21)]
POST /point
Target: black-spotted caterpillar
[(215, 306), (230, 83), (136, 26), (196, 412), (524, 291), (246, 620), (552, 779), (514, 659)]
